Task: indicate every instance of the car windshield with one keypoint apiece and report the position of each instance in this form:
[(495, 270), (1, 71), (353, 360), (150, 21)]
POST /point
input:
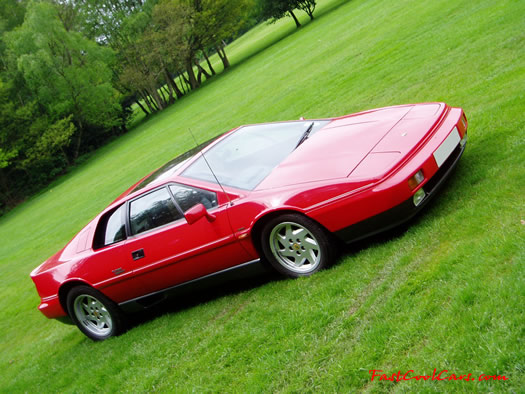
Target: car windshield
[(244, 158)]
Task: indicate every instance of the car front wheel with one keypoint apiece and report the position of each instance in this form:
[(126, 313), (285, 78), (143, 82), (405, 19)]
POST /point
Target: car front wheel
[(296, 245), (94, 314)]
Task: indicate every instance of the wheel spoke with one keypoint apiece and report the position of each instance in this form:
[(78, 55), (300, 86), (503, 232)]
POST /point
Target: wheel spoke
[(288, 231), (299, 233), (287, 253), (102, 323), (86, 309), (282, 243), (106, 320), (312, 242), (311, 256), (300, 261)]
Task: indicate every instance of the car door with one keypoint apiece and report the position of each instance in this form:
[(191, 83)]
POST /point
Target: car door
[(108, 267), (166, 250)]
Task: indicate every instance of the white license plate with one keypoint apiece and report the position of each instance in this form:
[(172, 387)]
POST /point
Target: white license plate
[(447, 147)]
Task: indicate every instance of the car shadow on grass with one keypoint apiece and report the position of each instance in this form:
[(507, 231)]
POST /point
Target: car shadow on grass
[(201, 293)]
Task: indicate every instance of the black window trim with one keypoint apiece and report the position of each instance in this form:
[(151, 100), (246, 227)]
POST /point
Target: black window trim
[(127, 210), (173, 199)]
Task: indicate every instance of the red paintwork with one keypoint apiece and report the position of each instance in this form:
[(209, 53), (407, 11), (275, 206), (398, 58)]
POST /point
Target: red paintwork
[(356, 167), (197, 212)]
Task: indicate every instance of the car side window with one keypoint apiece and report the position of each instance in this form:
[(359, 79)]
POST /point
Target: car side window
[(187, 197), (111, 228), (152, 210)]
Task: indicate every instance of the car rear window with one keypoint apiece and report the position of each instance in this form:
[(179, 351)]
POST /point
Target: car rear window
[(111, 228)]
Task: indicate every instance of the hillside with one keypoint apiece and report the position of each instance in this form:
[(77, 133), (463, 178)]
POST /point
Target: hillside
[(446, 293)]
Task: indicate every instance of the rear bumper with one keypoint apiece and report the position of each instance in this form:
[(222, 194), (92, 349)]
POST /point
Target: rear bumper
[(52, 308), (404, 211)]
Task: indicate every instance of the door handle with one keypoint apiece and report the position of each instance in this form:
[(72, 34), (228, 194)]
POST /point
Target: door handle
[(137, 254)]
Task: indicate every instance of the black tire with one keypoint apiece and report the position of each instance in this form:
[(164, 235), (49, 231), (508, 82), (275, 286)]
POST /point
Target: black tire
[(296, 245), (94, 314)]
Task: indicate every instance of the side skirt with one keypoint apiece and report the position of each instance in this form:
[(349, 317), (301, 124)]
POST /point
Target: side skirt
[(251, 268)]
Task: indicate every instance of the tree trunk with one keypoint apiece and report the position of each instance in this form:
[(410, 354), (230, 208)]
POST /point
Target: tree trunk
[(209, 63), (80, 129), (201, 72), (199, 76), (154, 94), (142, 107), (178, 92), (310, 13), (297, 24), (191, 75), (222, 54), (146, 101), (151, 105), (308, 6), (171, 93), (182, 83), (166, 91), (187, 83), (66, 157), (171, 83)]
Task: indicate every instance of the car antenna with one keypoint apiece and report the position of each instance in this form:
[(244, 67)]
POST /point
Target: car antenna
[(208, 164)]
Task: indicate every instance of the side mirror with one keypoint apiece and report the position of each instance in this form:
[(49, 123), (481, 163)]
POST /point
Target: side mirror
[(196, 212)]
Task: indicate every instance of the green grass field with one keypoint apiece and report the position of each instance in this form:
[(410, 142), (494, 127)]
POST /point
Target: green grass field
[(447, 293)]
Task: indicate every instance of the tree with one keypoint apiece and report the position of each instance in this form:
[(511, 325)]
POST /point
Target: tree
[(32, 149), (307, 6), (67, 73), (102, 20), (277, 9), (47, 141), (119, 24), (173, 22), (215, 22), (11, 15)]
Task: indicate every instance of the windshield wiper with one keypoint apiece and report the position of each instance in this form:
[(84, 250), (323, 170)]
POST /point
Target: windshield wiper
[(305, 135)]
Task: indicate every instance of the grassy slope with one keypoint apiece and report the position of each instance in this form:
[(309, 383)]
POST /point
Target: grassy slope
[(447, 294)]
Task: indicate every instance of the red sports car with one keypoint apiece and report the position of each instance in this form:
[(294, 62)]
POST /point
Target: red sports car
[(280, 192)]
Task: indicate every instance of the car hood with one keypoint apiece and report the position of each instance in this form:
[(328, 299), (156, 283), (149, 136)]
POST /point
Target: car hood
[(366, 145)]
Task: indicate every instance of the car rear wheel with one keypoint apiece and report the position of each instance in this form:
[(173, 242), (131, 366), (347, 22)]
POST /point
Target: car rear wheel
[(94, 314), (296, 245)]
